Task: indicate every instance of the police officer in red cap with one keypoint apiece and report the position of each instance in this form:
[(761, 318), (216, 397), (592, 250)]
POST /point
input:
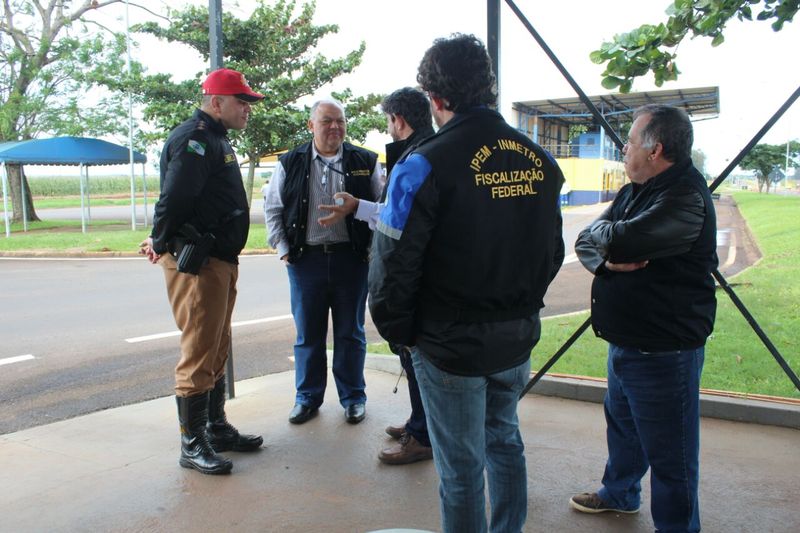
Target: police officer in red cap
[(200, 226)]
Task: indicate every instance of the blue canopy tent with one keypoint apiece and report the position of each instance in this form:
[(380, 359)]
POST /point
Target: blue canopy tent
[(80, 151)]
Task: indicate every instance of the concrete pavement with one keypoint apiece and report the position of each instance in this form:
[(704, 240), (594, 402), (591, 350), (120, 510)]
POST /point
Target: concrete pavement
[(117, 470)]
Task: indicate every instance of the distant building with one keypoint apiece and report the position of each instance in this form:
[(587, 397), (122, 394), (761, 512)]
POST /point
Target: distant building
[(591, 162)]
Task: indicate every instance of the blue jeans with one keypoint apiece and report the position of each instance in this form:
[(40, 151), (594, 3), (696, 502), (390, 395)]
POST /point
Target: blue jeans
[(318, 283), (416, 425), (473, 425), (652, 412)]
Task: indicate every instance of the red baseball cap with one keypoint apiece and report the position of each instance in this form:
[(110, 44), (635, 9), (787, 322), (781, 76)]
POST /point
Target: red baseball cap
[(226, 81)]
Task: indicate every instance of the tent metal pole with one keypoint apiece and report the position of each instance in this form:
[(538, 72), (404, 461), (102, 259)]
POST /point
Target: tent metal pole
[(133, 198), (88, 194), (83, 206), (144, 191), (5, 201)]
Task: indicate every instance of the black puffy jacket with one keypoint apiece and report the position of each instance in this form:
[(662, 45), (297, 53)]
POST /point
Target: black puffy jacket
[(669, 304)]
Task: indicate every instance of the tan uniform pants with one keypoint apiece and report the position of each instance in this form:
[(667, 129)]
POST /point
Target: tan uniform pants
[(202, 306)]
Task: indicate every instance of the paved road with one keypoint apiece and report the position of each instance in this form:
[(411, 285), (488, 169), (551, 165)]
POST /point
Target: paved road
[(74, 316), (68, 324), (123, 212)]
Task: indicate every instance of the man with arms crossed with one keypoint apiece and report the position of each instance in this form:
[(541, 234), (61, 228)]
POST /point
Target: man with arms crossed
[(652, 253)]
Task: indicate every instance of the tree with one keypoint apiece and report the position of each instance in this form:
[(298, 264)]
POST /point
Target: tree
[(654, 48), (276, 51), (49, 60), (699, 161), (764, 159)]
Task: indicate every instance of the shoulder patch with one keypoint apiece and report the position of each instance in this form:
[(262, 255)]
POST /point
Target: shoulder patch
[(196, 147), (230, 158)]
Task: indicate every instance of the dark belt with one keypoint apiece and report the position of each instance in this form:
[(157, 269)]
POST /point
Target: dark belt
[(328, 248)]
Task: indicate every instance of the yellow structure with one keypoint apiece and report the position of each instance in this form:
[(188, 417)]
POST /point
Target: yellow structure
[(589, 158)]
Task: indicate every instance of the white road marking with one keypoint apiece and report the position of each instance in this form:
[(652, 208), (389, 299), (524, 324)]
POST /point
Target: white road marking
[(157, 336), (571, 258), (17, 359)]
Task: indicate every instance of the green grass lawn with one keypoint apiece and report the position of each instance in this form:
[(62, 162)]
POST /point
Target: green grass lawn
[(102, 236), (736, 360)]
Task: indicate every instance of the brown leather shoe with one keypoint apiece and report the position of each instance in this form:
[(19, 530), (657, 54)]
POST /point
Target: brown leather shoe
[(396, 431), (408, 450)]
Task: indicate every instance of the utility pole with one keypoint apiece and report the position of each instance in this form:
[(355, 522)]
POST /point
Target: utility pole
[(215, 49), (215, 32), (493, 40)]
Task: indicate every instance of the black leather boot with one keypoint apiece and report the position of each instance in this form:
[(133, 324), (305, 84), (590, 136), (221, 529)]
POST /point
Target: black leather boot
[(196, 452), (221, 434)]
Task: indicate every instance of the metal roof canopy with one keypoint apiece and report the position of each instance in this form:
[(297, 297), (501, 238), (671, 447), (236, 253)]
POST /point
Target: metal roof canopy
[(698, 102), (80, 151), (67, 151)]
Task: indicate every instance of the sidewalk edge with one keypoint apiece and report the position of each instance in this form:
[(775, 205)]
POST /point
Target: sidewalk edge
[(711, 406)]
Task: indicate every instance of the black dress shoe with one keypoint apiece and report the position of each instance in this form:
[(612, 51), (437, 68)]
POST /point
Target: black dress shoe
[(355, 413), (302, 413)]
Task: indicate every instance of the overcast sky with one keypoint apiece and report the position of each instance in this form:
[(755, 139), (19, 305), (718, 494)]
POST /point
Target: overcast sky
[(755, 68)]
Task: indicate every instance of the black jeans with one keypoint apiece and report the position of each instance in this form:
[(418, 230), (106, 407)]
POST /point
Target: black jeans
[(416, 425)]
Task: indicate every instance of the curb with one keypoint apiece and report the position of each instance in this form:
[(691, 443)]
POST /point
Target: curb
[(762, 412)]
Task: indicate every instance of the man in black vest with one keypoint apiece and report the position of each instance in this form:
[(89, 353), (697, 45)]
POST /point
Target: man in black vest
[(408, 120), (327, 266), (465, 248), (201, 186), (652, 253)]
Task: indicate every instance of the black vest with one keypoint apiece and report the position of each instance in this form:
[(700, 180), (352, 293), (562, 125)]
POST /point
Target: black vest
[(358, 165)]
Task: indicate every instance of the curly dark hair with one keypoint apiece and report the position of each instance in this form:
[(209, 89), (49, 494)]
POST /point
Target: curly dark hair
[(411, 104), (669, 126), (459, 70)]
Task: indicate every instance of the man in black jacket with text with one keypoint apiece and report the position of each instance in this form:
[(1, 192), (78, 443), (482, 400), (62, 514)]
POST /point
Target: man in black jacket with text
[(465, 248), (652, 252)]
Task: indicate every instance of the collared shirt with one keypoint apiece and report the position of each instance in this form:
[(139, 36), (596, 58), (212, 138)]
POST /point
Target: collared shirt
[(326, 179)]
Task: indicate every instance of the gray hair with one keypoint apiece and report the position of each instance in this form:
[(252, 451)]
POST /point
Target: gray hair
[(669, 126), (330, 101)]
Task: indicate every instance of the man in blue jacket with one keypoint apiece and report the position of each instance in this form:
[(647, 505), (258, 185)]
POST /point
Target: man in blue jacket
[(652, 253), (465, 248)]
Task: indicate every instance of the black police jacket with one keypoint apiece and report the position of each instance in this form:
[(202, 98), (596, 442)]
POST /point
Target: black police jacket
[(358, 166), (670, 222), (201, 184), (467, 244)]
